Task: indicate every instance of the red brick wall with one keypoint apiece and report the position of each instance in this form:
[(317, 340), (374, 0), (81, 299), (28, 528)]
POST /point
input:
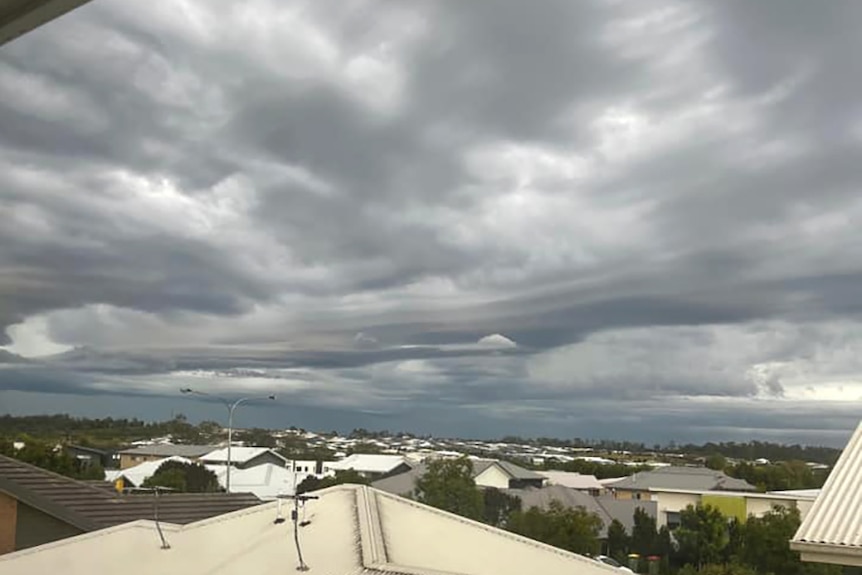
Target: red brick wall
[(8, 523)]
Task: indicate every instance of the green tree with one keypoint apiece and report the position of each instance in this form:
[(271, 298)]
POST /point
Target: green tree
[(644, 539), (618, 541), (716, 461), (448, 484), (312, 483), (499, 506), (185, 477), (574, 529), (702, 535)]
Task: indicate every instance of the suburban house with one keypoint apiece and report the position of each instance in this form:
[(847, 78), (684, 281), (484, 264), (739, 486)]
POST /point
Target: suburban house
[(369, 465), (504, 475), (87, 456), (831, 532), (347, 529), (243, 457), (606, 508), (136, 475), (586, 483), (642, 484), (307, 466), (136, 455), (38, 506)]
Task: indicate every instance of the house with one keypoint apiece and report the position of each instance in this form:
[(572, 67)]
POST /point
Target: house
[(640, 485), (244, 457), (504, 475), (136, 475), (348, 529), (832, 530), (135, 455), (586, 483), (307, 467), (369, 465), (39, 506), (486, 473), (88, 456), (738, 504), (266, 481), (605, 508)]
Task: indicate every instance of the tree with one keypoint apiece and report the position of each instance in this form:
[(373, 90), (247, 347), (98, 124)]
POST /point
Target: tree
[(448, 484), (716, 461), (185, 477), (573, 529), (702, 535), (312, 483), (499, 506), (644, 537), (618, 541)]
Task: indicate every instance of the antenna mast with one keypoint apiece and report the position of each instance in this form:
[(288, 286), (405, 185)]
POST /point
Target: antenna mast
[(294, 516)]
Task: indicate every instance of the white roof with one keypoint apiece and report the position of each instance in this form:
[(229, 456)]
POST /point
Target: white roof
[(353, 530), (266, 481), (832, 530), (571, 480), (237, 454), (368, 463), (142, 471)]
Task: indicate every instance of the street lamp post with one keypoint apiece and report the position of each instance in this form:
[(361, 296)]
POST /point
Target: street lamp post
[(231, 407)]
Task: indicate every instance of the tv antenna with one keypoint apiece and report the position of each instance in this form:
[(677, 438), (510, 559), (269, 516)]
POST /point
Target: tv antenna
[(155, 490), (294, 516)]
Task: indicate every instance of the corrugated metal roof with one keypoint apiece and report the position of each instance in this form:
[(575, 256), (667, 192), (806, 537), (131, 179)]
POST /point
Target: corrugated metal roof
[(699, 478), (17, 17), (170, 449), (352, 530), (835, 519)]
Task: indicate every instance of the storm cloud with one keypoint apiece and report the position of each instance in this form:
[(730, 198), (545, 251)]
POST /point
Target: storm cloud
[(465, 217)]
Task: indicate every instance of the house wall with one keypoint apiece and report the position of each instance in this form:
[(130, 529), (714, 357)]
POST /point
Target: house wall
[(37, 528), (632, 494), (757, 507), (493, 476), (8, 523), (672, 503), (128, 460)]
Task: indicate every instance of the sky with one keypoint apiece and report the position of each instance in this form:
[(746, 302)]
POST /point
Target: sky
[(597, 219)]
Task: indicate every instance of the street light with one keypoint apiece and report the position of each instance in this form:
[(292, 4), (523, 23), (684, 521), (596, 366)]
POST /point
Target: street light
[(230, 409)]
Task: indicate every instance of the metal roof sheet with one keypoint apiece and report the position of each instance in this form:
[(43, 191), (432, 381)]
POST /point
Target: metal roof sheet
[(17, 17), (834, 523)]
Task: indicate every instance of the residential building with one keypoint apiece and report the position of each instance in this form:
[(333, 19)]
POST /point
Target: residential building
[(307, 467), (349, 529), (605, 508), (136, 475), (586, 483), (369, 465), (38, 506), (640, 485), (504, 475), (136, 455), (832, 530), (244, 457), (87, 456)]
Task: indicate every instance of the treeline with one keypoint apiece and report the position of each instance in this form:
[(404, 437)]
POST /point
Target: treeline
[(753, 450), (600, 470)]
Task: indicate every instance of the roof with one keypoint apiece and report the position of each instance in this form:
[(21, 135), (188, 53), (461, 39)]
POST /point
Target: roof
[(695, 478), (401, 483), (572, 480), (353, 530), (266, 481), (606, 508), (832, 530), (510, 469), (169, 449), (17, 17), (137, 474), (89, 508), (369, 463), (238, 454)]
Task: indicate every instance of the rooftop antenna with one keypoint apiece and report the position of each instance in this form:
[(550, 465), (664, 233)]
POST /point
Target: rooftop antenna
[(294, 516), (155, 490)]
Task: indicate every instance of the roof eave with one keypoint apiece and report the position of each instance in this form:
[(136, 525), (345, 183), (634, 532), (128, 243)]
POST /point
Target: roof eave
[(828, 553), (24, 18)]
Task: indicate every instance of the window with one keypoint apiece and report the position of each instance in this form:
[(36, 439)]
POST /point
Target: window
[(672, 519)]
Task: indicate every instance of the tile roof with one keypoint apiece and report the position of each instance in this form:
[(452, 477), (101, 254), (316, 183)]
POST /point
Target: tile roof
[(832, 529), (682, 478), (170, 449), (352, 530), (512, 470), (89, 508)]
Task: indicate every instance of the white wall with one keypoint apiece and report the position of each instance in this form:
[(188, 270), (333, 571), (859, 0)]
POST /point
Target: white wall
[(758, 507), (671, 502), (493, 476)]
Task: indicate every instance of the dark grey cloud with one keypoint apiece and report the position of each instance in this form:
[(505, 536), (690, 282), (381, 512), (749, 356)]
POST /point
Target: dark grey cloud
[(654, 201)]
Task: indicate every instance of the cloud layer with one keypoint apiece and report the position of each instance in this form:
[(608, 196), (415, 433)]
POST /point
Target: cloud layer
[(469, 217)]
